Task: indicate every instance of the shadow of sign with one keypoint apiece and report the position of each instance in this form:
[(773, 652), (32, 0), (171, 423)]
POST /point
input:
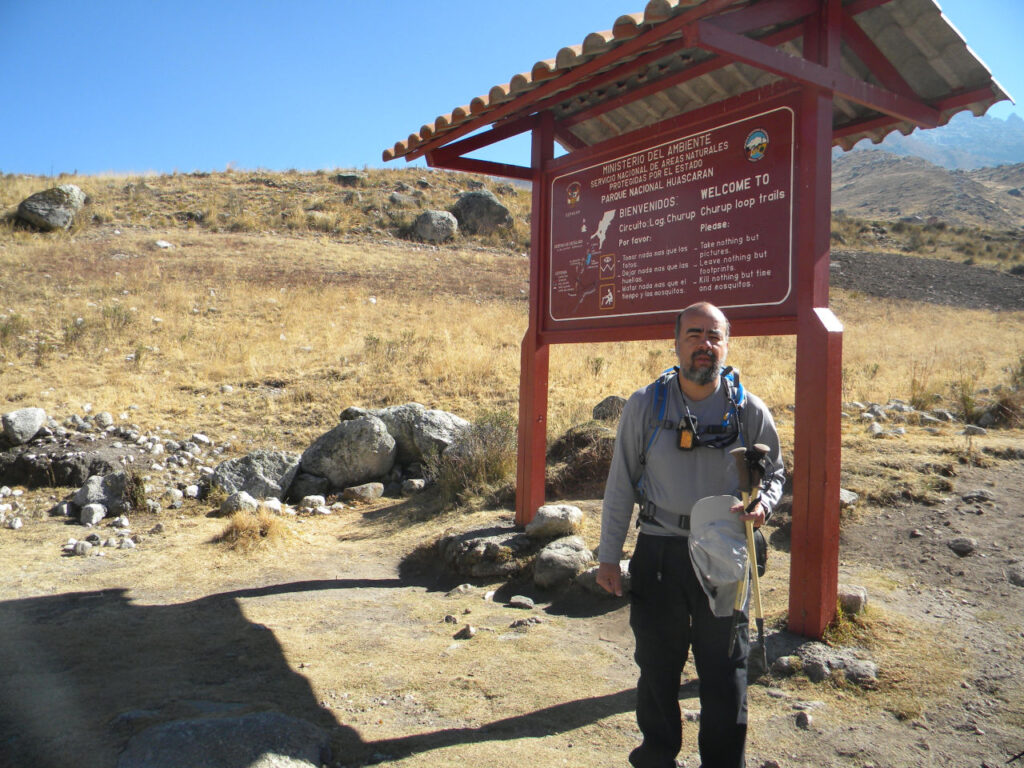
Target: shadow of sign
[(84, 672)]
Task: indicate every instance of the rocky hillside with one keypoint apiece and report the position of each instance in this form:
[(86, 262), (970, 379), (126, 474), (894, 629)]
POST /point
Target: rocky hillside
[(881, 186)]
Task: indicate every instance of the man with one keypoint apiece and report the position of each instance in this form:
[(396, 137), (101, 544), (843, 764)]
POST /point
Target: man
[(672, 449)]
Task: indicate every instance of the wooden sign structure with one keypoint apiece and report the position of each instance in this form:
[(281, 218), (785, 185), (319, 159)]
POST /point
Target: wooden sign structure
[(667, 197)]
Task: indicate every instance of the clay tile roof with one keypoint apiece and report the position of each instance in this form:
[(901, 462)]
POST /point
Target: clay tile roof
[(922, 55)]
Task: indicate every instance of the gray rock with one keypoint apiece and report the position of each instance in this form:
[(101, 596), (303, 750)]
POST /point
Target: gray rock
[(260, 740), (555, 520), (819, 661), (470, 554), (306, 484), (963, 545), (987, 419), (972, 430), (560, 561), (103, 419), (92, 514), (979, 495), (82, 548), (350, 179), (240, 501), (53, 208), (417, 432), (847, 499), (1016, 575), (465, 633), (520, 601), (354, 452), (435, 226), (852, 599), (402, 201), (480, 213), (364, 492), (413, 485), (312, 501), (111, 490), (875, 429), (784, 666), (610, 408), (262, 474), (22, 425)]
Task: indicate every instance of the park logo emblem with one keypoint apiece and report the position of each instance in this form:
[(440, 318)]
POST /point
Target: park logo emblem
[(756, 144), (572, 193)]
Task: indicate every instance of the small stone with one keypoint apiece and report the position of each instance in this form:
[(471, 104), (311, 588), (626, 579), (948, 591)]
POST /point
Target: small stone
[(529, 621), (364, 492), (449, 619), (312, 502), (191, 492), (462, 589), (785, 666), (14, 523), (465, 633), (413, 486), (804, 720), (963, 545), (853, 599), (916, 534), (520, 601), (82, 548), (691, 715)]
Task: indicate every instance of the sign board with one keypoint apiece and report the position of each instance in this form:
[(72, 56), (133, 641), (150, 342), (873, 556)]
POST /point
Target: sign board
[(707, 216)]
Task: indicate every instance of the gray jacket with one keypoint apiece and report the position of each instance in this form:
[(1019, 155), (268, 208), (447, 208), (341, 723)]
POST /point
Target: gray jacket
[(673, 480)]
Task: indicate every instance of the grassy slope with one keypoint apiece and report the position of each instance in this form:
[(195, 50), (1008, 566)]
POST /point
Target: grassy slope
[(287, 297)]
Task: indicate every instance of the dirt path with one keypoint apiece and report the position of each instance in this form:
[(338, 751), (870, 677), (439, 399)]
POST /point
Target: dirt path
[(331, 628)]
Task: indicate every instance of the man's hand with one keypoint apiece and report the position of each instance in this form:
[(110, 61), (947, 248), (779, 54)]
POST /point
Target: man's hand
[(757, 517), (610, 578)]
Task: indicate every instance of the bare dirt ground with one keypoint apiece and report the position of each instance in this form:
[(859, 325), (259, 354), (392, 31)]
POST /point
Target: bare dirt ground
[(336, 625), (332, 627)]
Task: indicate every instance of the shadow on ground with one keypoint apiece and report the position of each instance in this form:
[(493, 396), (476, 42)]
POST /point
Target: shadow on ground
[(83, 672)]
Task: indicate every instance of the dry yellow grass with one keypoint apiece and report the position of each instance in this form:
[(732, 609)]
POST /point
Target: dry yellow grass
[(300, 324), (249, 531)]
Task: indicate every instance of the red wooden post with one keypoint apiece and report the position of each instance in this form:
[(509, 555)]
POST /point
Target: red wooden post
[(533, 372), (814, 567), (816, 441)]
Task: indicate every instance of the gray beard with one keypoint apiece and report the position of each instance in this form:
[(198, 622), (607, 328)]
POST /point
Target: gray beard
[(701, 375)]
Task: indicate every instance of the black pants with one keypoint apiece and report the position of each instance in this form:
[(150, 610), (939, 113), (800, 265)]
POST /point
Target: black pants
[(670, 614)]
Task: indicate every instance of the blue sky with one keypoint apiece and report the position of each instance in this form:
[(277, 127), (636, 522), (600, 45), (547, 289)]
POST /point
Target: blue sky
[(135, 86)]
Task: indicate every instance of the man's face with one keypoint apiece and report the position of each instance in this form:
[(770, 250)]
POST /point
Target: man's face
[(701, 347)]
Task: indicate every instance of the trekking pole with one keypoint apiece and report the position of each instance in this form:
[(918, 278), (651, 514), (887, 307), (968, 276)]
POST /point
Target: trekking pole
[(750, 469)]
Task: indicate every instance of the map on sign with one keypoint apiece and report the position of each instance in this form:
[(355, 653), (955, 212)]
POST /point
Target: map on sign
[(705, 217)]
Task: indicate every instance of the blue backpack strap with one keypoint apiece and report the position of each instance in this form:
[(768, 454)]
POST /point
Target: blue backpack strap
[(658, 410)]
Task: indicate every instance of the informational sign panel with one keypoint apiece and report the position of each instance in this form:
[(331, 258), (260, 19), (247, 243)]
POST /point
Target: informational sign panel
[(703, 217)]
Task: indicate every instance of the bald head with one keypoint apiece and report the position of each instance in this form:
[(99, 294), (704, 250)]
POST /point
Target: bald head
[(704, 309)]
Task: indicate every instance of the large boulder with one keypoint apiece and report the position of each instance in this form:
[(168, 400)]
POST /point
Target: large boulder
[(560, 561), (22, 425), (115, 491), (262, 474), (479, 213), (258, 740), (435, 226), (355, 451), (53, 208), (418, 432)]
